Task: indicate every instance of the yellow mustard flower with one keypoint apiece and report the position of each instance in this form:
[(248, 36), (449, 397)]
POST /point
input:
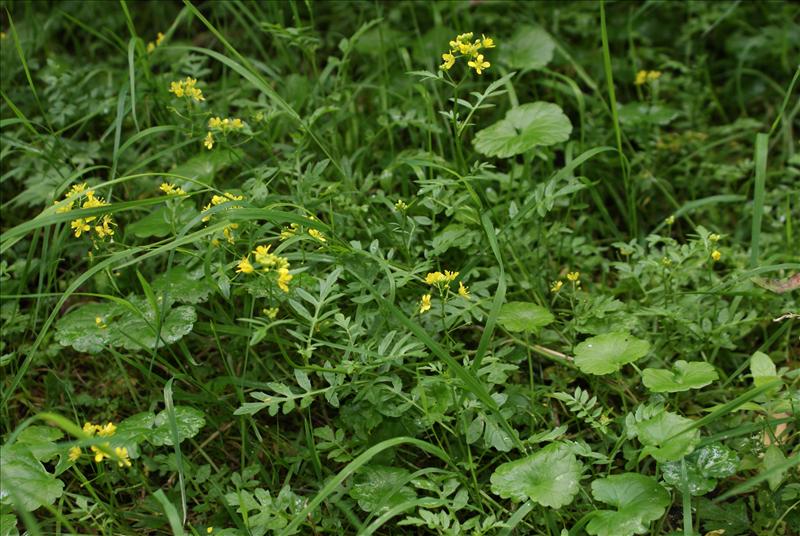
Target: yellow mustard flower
[(573, 276), (209, 530), (208, 141), (716, 255), (425, 303), (244, 266), (187, 88), (227, 231), (262, 254), (98, 321), (434, 278), (100, 453), (487, 42), (171, 189), (177, 89), (463, 290), (318, 235), (74, 454), (641, 78), (89, 428), (478, 64), (80, 226), (449, 61), (555, 286), (714, 237), (159, 38), (104, 229), (122, 455), (652, 76), (107, 431), (284, 277), (670, 220), (401, 205), (151, 47), (288, 232), (271, 313)]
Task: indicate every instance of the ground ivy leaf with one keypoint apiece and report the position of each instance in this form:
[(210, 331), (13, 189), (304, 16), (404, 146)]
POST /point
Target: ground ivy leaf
[(607, 353), (25, 477), (639, 500), (529, 48), (182, 286), (134, 332), (640, 113), (40, 440), (703, 467), (524, 316), (378, 488), (549, 477), (523, 128), (658, 436), (189, 421), (682, 377), (80, 329)]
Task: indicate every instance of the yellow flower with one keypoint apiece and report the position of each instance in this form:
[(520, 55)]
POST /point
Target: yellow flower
[(556, 286), (463, 291), (214, 122), (478, 64), (716, 255), (209, 530), (104, 229), (262, 254), (641, 78), (271, 313), (318, 235), (434, 278), (89, 428), (573, 276), (98, 321), (80, 226), (449, 61), (186, 88), (487, 42), (288, 232), (151, 47), (122, 454), (208, 141), (283, 279), (159, 38), (666, 261), (450, 276), (177, 89), (401, 205), (652, 76), (74, 454), (425, 303), (670, 220), (714, 237), (107, 430), (99, 454), (244, 266), (237, 124), (171, 189), (228, 232)]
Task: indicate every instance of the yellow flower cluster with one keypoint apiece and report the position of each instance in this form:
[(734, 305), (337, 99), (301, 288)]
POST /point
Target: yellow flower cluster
[(221, 125), (100, 453), (186, 88), (268, 261), (171, 189), (442, 280), (439, 278), (102, 227), (463, 46), (218, 200), (152, 46), (293, 229), (573, 277), (642, 77)]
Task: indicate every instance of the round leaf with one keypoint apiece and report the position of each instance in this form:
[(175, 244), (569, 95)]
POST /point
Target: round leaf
[(703, 467), (523, 128), (639, 500), (24, 479), (529, 48), (682, 377), (607, 353), (549, 477), (189, 421), (662, 437), (378, 488), (524, 316)]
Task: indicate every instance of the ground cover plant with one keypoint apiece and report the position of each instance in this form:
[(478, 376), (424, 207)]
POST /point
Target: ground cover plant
[(400, 268)]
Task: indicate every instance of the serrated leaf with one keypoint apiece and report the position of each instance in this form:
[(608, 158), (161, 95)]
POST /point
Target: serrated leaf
[(607, 353), (658, 434), (639, 500), (189, 421), (550, 477), (682, 377), (529, 48), (523, 128), (182, 286), (378, 488), (524, 316), (8, 525), (24, 479)]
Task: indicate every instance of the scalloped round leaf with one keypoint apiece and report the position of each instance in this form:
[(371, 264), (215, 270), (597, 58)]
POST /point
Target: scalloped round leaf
[(607, 353), (524, 316), (133, 332), (378, 488), (182, 286), (529, 48), (550, 477), (682, 377), (660, 436), (523, 128), (24, 482), (80, 329), (40, 440), (641, 113), (639, 500), (703, 467), (189, 421)]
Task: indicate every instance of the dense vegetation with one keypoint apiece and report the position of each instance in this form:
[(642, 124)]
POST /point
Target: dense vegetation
[(400, 268)]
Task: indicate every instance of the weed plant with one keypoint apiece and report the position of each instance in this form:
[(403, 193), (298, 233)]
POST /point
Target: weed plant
[(479, 268)]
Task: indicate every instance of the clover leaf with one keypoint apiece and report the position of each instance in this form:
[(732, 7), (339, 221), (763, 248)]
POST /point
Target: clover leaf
[(683, 377), (639, 500), (607, 353), (523, 128), (378, 488), (524, 316), (550, 477)]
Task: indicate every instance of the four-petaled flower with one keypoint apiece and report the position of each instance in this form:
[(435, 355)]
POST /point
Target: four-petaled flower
[(244, 266), (449, 61), (478, 64), (425, 303)]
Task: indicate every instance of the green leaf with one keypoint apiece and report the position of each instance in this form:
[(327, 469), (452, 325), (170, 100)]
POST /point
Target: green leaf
[(524, 316), (40, 440), (162, 221), (189, 421), (8, 525), (550, 477), (682, 377), (79, 328), (529, 48), (523, 128), (703, 467), (134, 332), (607, 353), (639, 500), (660, 436), (24, 482), (378, 488), (762, 368), (774, 457), (202, 168), (641, 113), (182, 286)]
